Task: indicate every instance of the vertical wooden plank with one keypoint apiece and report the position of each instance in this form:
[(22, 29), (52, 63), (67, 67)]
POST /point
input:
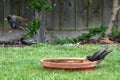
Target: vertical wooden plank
[(67, 20), (81, 14), (28, 13), (15, 7), (24, 11), (95, 14), (1, 14), (53, 16), (107, 11), (118, 18), (7, 9), (22, 8)]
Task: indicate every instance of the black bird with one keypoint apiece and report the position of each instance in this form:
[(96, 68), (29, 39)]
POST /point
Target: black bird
[(99, 55), (12, 22), (27, 41)]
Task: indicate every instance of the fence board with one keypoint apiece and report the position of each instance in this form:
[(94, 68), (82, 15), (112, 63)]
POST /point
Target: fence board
[(81, 14), (23, 8), (53, 16), (1, 14), (95, 14), (67, 21), (15, 7), (7, 9), (118, 20), (107, 11), (28, 14)]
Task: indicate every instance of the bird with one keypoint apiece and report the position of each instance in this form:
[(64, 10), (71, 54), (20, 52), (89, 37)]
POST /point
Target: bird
[(99, 55), (17, 22), (27, 41), (12, 22)]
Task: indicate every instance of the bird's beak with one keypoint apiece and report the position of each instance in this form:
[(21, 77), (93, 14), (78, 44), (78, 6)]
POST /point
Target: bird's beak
[(5, 19)]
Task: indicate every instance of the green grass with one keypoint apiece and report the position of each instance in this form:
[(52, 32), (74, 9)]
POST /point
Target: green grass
[(24, 63)]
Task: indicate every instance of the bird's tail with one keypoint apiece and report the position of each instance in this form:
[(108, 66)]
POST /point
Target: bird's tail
[(99, 55)]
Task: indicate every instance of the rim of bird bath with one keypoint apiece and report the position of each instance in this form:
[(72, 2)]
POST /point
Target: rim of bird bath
[(69, 63)]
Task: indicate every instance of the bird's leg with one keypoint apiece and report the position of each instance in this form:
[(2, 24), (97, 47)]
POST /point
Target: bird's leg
[(22, 28)]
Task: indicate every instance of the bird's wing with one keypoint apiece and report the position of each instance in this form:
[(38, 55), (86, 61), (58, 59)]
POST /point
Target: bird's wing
[(98, 53), (105, 54)]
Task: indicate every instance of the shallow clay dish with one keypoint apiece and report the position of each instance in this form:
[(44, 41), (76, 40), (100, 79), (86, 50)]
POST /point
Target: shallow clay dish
[(69, 63)]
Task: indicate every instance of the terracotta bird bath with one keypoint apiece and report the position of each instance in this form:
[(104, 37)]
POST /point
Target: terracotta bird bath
[(69, 63)]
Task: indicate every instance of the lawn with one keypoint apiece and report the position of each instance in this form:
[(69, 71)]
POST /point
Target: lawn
[(24, 63)]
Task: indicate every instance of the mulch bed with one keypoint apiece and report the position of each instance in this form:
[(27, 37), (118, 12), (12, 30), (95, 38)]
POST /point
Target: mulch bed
[(11, 44), (104, 41), (117, 39)]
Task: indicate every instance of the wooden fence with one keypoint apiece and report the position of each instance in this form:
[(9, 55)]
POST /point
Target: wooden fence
[(66, 15)]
